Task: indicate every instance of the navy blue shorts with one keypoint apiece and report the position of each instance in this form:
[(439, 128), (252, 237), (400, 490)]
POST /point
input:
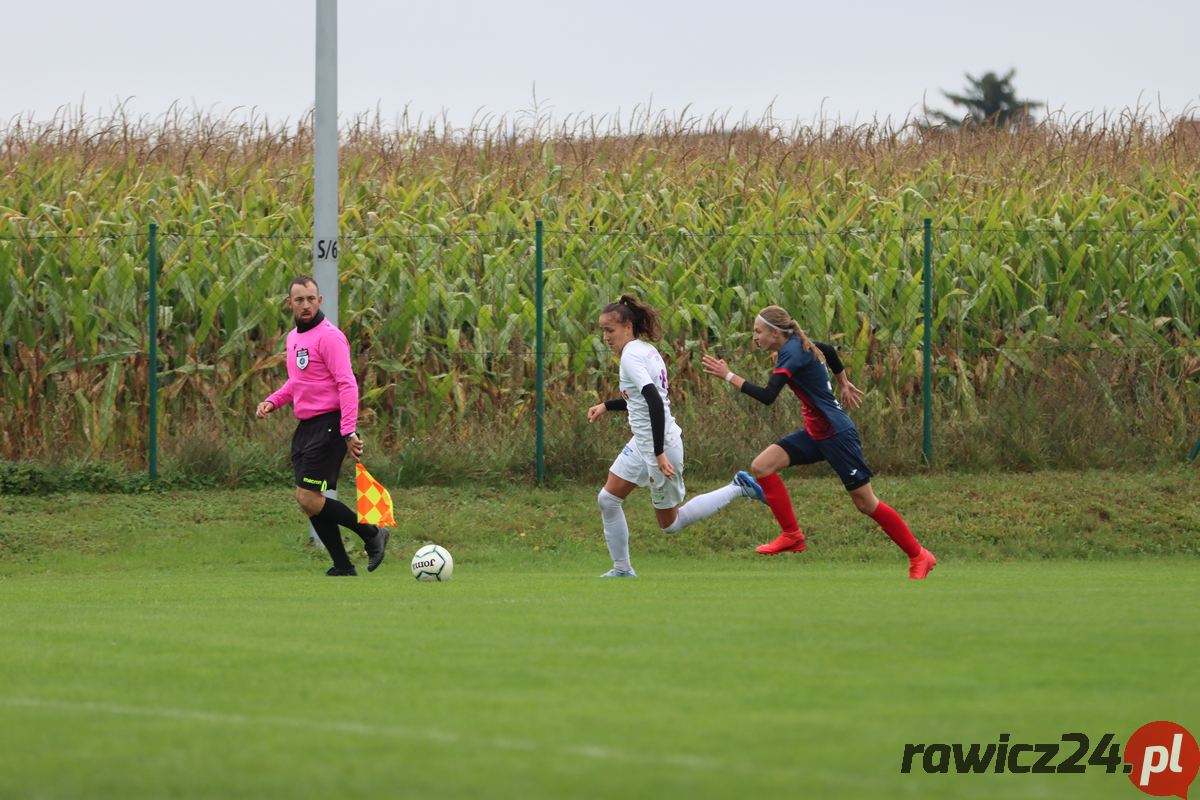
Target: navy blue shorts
[(843, 452)]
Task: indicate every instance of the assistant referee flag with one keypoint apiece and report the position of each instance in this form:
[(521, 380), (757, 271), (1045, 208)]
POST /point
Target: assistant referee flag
[(374, 502)]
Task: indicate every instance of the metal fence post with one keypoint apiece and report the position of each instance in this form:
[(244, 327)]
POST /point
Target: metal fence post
[(153, 365), (927, 368), (540, 458)]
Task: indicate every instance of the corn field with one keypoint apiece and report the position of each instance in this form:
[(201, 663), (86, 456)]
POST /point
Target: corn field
[(1064, 261)]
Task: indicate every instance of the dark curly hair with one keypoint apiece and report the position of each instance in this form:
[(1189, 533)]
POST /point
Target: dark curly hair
[(644, 318)]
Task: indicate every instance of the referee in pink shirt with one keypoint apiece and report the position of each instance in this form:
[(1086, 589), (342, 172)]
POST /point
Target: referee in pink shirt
[(324, 395)]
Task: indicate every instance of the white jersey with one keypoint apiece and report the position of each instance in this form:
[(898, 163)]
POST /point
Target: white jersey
[(641, 364)]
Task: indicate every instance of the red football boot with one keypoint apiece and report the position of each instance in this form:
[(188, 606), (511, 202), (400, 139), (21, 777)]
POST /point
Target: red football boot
[(920, 564), (783, 543)]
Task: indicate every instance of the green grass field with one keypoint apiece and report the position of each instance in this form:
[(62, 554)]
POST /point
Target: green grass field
[(186, 645)]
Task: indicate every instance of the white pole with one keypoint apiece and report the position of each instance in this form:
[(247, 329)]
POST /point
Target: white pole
[(325, 170), (325, 161)]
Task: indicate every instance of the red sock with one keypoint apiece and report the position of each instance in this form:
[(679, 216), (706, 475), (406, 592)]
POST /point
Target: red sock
[(781, 505), (894, 526)]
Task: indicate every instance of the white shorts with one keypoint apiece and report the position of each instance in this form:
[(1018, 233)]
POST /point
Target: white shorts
[(664, 492)]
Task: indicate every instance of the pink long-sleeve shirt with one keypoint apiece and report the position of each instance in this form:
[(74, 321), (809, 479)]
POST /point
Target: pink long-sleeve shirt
[(320, 378)]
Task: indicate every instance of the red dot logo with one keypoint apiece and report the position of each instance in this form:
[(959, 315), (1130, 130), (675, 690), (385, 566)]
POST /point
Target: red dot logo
[(1163, 759)]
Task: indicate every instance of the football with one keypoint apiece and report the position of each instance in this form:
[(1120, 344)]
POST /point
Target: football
[(432, 563)]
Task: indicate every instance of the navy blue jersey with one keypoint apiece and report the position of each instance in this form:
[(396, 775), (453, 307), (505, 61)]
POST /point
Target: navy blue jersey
[(808, 378)]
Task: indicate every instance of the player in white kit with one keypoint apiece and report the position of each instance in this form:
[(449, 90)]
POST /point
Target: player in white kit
[(654, 455)]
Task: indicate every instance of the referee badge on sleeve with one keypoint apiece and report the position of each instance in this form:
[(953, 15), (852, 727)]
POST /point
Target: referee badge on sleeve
[(302, 358)]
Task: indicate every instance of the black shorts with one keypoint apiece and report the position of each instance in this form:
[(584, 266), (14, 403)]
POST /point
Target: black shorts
[(318, 450), (843, 452)]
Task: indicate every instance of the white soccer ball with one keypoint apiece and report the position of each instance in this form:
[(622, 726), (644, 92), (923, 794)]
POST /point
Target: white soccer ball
[(432, 563)]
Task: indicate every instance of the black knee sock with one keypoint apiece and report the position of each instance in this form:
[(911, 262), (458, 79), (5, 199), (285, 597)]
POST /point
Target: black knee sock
[(331, 537), (339, 513)]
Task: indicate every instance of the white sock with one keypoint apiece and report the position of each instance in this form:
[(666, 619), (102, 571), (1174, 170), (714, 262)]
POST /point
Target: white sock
[(616, 529), (703, 506)]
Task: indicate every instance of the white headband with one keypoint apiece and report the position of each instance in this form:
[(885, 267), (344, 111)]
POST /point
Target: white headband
[(769, 325)]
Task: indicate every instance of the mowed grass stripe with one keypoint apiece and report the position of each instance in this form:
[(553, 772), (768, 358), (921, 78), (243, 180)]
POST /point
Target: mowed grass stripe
[(187, 715)]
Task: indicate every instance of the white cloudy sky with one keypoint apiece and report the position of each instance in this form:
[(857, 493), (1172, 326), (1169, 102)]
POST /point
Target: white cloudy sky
[(848, 61)]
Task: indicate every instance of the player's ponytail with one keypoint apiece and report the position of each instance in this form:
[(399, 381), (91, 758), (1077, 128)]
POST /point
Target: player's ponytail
[(644, 318), (779, 319)]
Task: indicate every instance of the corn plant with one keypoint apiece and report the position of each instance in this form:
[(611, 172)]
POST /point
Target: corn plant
[(1062, 251)]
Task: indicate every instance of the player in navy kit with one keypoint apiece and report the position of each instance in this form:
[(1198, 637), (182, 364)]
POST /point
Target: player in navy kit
[(828, 435)]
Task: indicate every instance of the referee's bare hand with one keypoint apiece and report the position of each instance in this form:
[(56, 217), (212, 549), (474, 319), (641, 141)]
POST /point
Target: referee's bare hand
[(264, 408), (355, 445)]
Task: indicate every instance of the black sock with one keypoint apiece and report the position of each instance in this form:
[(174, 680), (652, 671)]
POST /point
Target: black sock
[(331, 537), (339, 513)]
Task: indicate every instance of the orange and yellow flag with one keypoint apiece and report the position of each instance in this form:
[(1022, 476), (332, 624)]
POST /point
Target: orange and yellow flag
[(374, 502)]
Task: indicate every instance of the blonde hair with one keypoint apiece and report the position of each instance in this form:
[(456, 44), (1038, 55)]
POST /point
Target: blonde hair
[(779, 319)]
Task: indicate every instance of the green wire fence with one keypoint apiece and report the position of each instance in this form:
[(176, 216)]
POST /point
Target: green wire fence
[(105, 340)]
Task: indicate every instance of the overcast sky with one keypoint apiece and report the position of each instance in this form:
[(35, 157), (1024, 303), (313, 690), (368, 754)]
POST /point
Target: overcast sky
[(848, 61)]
